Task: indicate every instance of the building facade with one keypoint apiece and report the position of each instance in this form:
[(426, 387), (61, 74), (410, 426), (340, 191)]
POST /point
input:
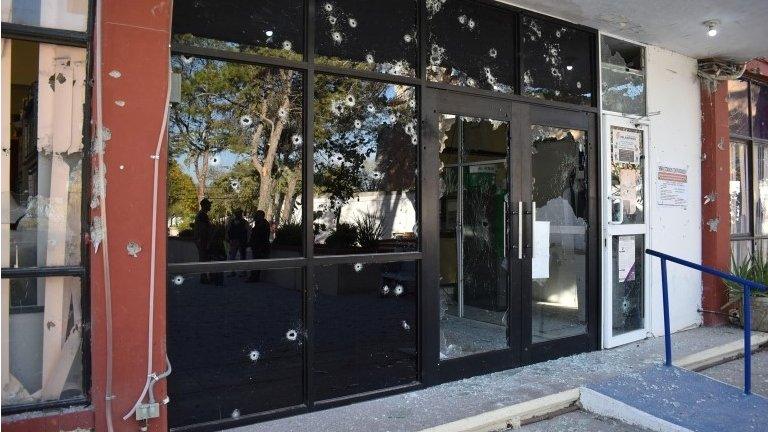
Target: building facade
[(216, 213)]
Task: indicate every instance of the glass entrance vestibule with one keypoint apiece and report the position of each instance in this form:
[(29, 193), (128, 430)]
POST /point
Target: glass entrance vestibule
[(370, 197)]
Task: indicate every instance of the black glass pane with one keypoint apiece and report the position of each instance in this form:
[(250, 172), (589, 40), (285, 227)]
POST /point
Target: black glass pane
[(365, 161), (759, 110), (266, 27), (738, 107), (556, 62), (365, 328), (235, 341), (235, 162), (470, 44), (368, 35)]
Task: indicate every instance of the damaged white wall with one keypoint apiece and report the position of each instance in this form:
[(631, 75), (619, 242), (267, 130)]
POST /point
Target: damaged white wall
[(675, 138)]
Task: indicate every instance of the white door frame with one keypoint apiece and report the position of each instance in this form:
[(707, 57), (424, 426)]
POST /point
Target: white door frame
[(612, 229)]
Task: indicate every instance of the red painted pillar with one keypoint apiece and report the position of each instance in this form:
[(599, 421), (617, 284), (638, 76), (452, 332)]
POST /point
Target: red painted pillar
[(716, 223), (134, 40)]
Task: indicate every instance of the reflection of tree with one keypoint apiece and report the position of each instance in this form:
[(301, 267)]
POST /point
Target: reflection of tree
[(182, 193), (361, 129)]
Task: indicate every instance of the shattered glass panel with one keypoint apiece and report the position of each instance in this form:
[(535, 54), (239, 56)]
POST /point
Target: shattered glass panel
[(738, 107), (474, 273), (272, 28), (628, 285), (739, 186), (759, 110), (235, 162), (365, 328), (44, 322), (64, 15), (560, 192), (623, 76), (377, 36), (627, 176), (365, 166), (469, 45), (760, 153), (555, 62), (236, 342), (43, 181)]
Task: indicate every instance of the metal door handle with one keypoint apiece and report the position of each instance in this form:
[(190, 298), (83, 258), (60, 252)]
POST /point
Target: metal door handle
[(519, 230)]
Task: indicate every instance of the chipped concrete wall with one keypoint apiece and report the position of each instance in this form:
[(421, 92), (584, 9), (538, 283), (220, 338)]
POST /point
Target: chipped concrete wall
[(675, 137)]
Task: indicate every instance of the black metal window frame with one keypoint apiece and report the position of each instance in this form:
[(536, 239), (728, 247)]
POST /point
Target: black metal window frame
[(427, 189), (751, 142), (76, 39)]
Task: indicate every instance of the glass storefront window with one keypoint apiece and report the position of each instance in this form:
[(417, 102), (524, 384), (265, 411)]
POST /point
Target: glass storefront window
[(64, 15), (235, 162), (759, 110), (365, 161), (739, 189), (628, 294), (44, 321), (242, 348), (466, 45), (623, 76), (42, 187), (375, 36), (272, 28), (559, 167), (554, 62), (627, 176), (366, 329), (738, 107)]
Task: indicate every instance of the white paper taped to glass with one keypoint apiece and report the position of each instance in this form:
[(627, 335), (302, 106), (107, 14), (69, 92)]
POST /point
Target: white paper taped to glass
[(540, 258)]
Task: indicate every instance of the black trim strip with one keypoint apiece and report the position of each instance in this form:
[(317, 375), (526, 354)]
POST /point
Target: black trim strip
[(79, 401), (28, 272), (45, 35)]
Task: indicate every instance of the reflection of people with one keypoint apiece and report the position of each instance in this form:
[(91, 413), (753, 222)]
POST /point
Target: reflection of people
[(202, 230), (237, 235), (259, 240)]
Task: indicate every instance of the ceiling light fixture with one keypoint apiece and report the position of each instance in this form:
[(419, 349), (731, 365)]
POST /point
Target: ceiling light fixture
[(712, 27)]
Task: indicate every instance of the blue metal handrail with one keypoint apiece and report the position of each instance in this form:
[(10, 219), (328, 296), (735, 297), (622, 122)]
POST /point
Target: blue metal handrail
[(748, 287)]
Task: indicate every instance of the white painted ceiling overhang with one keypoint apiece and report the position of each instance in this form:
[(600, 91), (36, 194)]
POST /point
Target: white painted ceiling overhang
[(677, 25)]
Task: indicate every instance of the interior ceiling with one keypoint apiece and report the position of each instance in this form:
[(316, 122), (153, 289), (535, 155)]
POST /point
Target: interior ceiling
[(676, 25)]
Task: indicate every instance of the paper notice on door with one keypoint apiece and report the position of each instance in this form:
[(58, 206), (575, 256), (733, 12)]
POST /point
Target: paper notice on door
[(626, 258), (628, 190), (540, 259)]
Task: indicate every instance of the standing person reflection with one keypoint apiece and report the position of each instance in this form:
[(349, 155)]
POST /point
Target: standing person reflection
[(237, 235), (202, 233), (259, 241)]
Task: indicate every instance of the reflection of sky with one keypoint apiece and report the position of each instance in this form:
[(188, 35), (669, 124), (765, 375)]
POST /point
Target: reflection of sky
[(226, 160)]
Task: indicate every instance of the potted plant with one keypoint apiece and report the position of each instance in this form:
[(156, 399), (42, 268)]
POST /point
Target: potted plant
[(754, 268)]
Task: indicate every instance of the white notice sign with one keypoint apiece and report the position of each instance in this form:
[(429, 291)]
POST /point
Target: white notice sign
[(626, 258), (672, 185), (627, 145), (540, 259)]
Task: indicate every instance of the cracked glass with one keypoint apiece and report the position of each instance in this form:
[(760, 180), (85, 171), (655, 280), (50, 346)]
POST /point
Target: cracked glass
[(365, 328), (235, 162), (377, 36), (236, 343), (560, 192), (43, 181), (628, 288), (738, 107), (272, 28), (555, 62), (365, 166), (467, 47), (623, 76)]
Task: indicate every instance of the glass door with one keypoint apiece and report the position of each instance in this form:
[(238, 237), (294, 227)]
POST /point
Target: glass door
[(473, 309), (625, 300), (560, 272)]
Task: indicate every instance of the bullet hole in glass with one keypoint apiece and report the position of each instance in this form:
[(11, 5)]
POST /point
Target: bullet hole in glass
[(235, 413), (178, 280), (254, 355), (296, 139), (405, 325), (246, 121), (399, 290), (291, 335), (358, 267), (385, 290)]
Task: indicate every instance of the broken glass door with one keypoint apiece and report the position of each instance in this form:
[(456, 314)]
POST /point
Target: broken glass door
[(474, 270)]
